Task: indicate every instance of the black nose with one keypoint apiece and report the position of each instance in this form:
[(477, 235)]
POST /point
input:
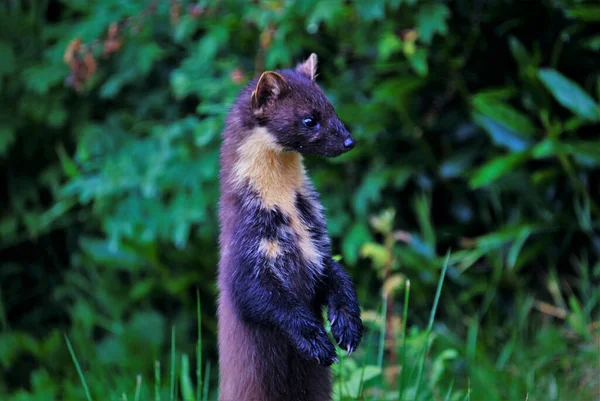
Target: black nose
[(349, 143)]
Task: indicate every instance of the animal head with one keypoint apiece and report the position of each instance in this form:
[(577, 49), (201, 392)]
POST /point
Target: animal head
[(294, 109)]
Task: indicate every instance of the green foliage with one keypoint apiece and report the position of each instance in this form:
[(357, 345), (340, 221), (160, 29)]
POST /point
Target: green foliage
[(477, 131)]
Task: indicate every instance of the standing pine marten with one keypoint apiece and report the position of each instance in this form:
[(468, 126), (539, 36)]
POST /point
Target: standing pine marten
[(276, 272)]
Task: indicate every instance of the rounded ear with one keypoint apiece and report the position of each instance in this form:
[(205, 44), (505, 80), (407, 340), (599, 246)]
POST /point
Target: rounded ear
[(309, 67), (270, 87)]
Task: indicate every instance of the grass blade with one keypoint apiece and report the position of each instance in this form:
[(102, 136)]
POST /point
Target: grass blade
[(187, 390), (138, 387), (472, 339), (381, 342), (362, 375), (198, 346), (449, 393), (430, 325), (173, 363), (79, 372), (206, 376), (340, 376), (468, 396), (403, 352), (382, 333), (3, 319), (157, 381)]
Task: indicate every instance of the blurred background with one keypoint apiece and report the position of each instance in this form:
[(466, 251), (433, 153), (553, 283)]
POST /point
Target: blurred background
[(478, 152)]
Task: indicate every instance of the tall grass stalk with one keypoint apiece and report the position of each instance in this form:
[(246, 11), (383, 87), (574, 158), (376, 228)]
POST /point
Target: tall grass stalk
[(3, 319), (362, 375), (198, 347), (157, 381), (468, 396), (206, 380), (403, 352), (381, 342), (430, 325), (340, 375), (138, 388), (79, 372), (172, 363), (449, 393), (187, 390)]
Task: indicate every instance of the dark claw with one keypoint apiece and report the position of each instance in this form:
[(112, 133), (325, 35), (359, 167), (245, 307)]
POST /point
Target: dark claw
[(313, 343), (346, 324)]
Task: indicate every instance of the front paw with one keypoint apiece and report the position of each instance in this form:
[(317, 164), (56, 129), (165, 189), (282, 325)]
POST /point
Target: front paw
[(346, 324), (315, 344)]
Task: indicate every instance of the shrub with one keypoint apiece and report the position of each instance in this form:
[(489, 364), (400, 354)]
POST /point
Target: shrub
[(477, 132)]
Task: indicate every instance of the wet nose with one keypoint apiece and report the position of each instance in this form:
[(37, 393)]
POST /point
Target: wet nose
[(349, 143)]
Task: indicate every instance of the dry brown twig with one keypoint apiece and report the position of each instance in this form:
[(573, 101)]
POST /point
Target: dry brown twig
[(81, 59)]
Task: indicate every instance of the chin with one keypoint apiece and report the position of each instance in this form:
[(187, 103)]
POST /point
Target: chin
[(329, 152), (336, 152)]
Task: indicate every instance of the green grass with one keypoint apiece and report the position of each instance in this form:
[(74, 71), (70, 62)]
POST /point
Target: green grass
[(79, 372), (403, 352), (435, 364), (430, 325)]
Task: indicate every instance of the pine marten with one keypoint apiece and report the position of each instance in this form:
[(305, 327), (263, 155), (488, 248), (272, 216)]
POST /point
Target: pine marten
[(276, 272)]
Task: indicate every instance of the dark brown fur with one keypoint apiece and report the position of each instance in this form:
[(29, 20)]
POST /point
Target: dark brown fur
[(276, 271)]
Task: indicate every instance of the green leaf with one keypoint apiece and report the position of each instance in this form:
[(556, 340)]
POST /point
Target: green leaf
[(278, 54), (180, 84), (496, 168), (422, 207), (41, 78), (515, 249), (205, 131), (8, 64), (12, 344), (584, 151), (457, 163), (431, 19), (502, 135), (68, 165), (326, 12), (497, 93), (357, 379), (100, 251), (371, 10), (393, 91), (369, 191), (570, 94), (418, 61), (519, 52), (513, 233), (141, 289), (593, 43), (586, 12), (358, 235), (111, 87), (388, 44), (577, 319), (504, 114), (187, 389), (376, 252), (7, 137), (148, 55)]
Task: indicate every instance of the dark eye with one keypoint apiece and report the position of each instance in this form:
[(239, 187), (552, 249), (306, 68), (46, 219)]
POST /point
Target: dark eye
[(310, 122)]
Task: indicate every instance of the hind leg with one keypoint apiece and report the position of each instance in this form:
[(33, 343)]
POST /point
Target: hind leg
[(308, 380)]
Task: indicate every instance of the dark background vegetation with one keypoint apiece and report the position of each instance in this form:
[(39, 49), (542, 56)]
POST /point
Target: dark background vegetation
[(477, 127)]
